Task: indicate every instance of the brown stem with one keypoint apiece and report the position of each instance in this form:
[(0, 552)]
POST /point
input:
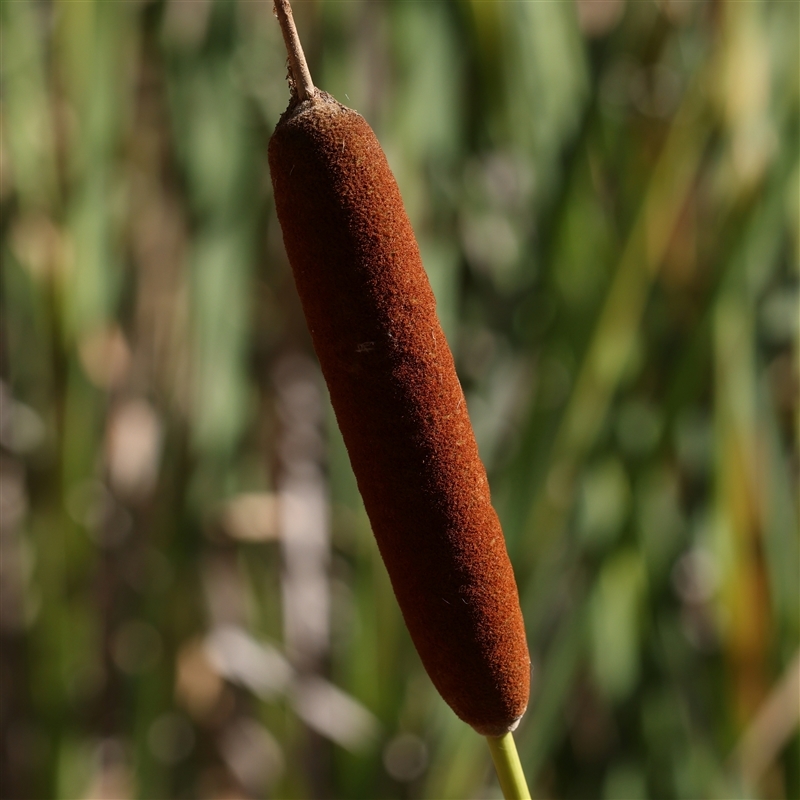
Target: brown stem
[(297, 59)]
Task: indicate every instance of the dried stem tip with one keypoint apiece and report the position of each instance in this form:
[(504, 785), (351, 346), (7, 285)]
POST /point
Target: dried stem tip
[(297, 59)]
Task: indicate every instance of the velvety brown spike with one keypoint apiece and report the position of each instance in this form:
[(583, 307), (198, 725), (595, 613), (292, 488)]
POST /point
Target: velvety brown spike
[(400, 407)]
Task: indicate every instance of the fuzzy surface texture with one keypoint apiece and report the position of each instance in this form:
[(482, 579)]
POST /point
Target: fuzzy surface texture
[(400, 407)]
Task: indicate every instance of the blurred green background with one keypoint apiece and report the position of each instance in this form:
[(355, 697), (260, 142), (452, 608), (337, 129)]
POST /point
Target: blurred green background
[(606, 195)]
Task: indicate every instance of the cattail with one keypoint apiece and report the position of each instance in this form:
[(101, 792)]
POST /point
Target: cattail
[(399, 405)]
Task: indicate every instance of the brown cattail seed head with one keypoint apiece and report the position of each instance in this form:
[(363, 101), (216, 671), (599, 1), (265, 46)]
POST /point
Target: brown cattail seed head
[(400, 408)]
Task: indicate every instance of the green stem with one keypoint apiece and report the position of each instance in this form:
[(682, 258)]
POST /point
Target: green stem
[(509, 770)]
